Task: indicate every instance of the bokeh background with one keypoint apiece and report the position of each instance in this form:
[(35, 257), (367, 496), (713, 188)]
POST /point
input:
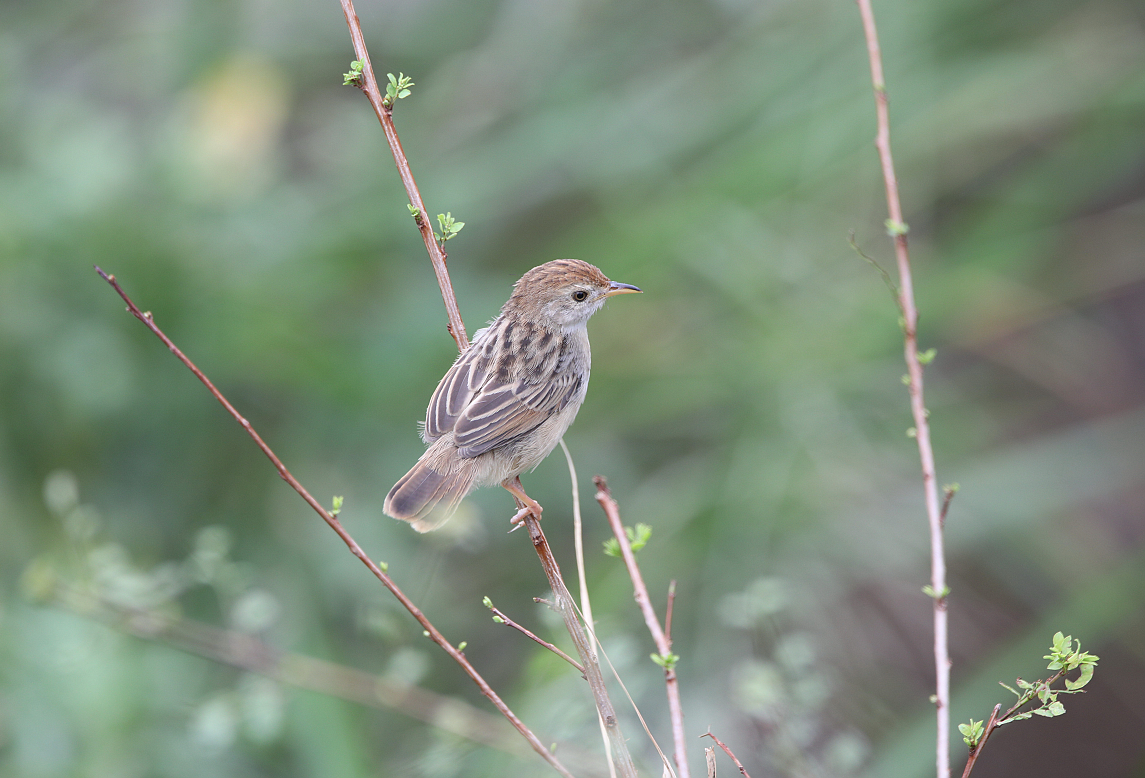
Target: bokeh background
[(748, 406)]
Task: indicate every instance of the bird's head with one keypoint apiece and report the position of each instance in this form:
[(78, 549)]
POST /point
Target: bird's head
[(563, 294)]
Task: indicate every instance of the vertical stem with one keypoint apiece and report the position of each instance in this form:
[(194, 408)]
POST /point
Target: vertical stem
[(659, 635), (592, 674), (897, 228), (384, 112), (585, 601)]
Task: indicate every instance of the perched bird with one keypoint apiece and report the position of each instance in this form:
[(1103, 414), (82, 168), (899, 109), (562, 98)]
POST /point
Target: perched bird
[(509, 397)]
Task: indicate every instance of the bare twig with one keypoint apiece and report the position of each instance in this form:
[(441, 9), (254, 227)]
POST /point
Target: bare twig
[(369, 86), (531, 636), (335, 525), (668, 614), (565, 606), (659, 635), (727, 751), (990, 727), (898, 229)]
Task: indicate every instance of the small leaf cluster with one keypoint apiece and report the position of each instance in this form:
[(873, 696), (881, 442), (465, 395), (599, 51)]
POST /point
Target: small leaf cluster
[(397, 88), (354, 77), (667, 661), (1065, 656), (972, 733), (637, 538), (896, 228), (449, 227)]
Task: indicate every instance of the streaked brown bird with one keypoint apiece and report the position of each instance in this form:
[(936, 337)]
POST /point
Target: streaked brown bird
[(509, 397)]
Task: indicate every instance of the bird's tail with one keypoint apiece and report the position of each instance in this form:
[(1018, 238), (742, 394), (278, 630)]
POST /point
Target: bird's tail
[(426, 498)]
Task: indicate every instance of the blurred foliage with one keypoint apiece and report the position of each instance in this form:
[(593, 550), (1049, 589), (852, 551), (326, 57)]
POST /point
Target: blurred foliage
[(747, 406)]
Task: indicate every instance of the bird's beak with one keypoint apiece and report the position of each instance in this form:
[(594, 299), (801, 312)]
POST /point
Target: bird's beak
[(619, 288)]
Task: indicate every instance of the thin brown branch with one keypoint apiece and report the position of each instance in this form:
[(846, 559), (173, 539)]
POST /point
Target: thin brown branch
[(898, 229), (668, 614), (727, 751), (535, 638), (991, 725), (335, 525), (437, 256), (659, 635), (621, 759)]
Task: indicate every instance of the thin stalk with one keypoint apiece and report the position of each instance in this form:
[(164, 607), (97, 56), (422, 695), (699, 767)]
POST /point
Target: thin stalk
[(659, 635), (897, 228)]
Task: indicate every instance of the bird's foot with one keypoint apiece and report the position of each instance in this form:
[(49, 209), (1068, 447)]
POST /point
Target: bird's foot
[(531, 506)]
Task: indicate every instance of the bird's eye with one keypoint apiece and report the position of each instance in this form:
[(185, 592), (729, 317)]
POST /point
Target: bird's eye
[(580, 295)]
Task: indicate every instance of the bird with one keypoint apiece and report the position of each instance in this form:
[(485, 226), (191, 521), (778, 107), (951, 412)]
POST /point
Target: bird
[(509, 398)]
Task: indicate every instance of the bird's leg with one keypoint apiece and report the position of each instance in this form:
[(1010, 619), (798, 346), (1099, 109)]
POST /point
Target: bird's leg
[(513, 486)]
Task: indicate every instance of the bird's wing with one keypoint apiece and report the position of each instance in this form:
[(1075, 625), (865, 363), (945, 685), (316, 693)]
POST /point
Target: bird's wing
[(503, 411), (485, 406), (456, 390)]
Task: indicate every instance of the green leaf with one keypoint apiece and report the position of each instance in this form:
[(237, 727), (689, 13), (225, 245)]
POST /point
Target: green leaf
[(486, 602), (354, 77), (972, 732), (334, 511), (926, 357), (639, 537), (1053, 709), (667, 661), (1085, 677), (1010, 689)]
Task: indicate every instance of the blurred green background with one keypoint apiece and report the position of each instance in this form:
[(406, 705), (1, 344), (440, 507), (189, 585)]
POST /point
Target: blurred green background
[(748, 405)]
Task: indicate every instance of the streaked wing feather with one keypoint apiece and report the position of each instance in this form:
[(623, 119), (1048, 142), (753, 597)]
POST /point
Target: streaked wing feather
[(454, 392), (501, 412)]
